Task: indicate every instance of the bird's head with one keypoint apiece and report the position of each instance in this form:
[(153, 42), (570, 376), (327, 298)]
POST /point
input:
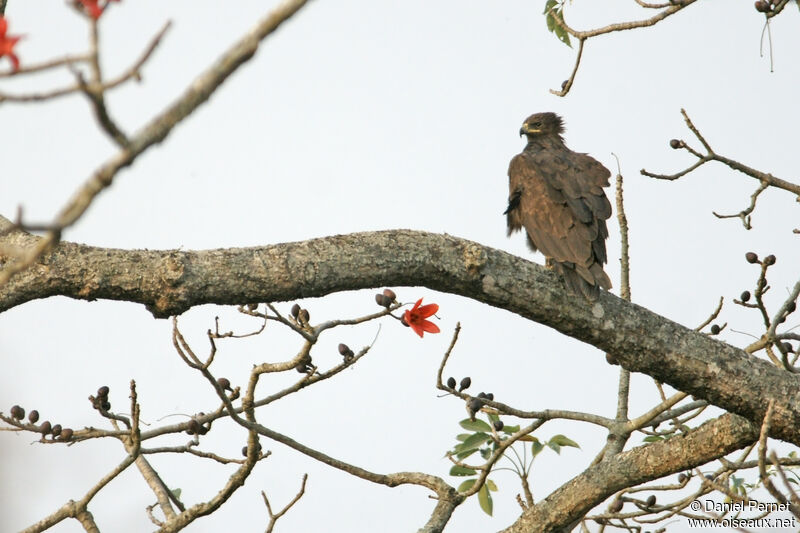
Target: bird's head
[(542, 124)]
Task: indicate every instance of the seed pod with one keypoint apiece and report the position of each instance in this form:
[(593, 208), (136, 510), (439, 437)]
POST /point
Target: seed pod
[(194, 427), (66, 434), (295, 310), (762, 6), (651, 500), (616, 506), (224, 383), (252, 307), (564, 84), (714, 329), (389, 293), (382, 300), (489, 396), (105, 406), (675, 144), (498, 425), (465, 383), (244, 451), (17, 412), (56, 430), (45, 428), (682, 477), (787, 347), (303, 316), (751, 257), (791, 307), (103, 391), (473, 406), (745, 296), (451, 382), (769, 260), (343, 348), (33, 416)]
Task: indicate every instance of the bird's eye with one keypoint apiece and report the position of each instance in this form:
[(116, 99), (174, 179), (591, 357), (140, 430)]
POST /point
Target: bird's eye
[(536, 124)]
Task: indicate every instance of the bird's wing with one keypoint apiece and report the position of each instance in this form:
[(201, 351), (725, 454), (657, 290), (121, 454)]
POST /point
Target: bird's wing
[(563, 208)]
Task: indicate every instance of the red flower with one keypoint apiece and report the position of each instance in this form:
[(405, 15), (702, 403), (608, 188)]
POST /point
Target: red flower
[(415, 317), (7, 44), (92, 7)]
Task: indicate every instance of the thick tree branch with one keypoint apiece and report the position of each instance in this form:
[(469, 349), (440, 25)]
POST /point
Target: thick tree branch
[(170, 282), (574, 499)]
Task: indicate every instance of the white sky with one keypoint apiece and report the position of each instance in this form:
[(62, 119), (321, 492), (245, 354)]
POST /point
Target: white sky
[(361, 116)]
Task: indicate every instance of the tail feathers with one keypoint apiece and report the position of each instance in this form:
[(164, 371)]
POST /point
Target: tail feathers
[(577, 282)]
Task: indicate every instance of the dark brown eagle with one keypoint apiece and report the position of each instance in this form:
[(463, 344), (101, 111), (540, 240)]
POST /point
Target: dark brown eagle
[(557, 195)]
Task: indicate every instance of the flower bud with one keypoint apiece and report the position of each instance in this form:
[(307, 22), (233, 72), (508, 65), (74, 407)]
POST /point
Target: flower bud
[(745, 296), (389, 293), (17, 412), (751, 257)]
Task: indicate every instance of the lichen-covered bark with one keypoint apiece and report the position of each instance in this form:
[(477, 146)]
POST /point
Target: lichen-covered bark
[(170, 282)]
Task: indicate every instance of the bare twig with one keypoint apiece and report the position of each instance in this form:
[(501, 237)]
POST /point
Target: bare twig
[(669, 9), (765, 179), (155, 132), (274, 517)]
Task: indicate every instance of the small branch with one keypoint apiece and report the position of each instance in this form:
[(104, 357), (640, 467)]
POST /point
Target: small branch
[(762, 463), (713, 315), (744, 214), (68, 61), (621, 26), (274, 517), (765, 180), (439, 383), (154, 132), (567, 85)]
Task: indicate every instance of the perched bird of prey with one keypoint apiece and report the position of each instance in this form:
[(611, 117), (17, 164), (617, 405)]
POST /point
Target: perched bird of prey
[(557, 196)]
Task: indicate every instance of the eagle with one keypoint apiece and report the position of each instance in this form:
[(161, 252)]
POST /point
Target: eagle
[(557, 196)]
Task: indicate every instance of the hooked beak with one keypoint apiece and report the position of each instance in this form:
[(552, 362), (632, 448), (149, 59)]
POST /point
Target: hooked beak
[(527, 130)]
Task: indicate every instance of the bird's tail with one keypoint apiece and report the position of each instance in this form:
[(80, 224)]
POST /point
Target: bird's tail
[(582, 280)]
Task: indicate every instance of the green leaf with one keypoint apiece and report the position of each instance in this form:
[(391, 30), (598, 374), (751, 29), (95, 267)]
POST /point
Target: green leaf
[(491, 485), (463, 436), (458, 470), (486, 453), (176, 493), (466, 484), (562, 440), (475, 425), (653, 438), (560, 32), (473, 442), (510, 430), (536, 447), (464, 454), (485, 499), (493, 417), (554, 446), (548, 6)]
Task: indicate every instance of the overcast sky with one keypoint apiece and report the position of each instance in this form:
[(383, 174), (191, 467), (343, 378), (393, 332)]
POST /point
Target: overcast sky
[(367, 115)]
